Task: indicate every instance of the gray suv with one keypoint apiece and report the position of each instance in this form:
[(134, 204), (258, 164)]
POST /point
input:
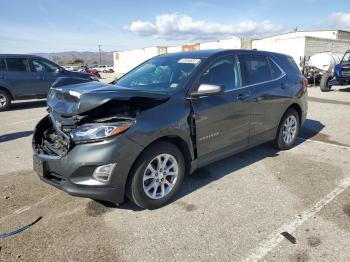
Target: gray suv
[(30, 76), (164, 119)]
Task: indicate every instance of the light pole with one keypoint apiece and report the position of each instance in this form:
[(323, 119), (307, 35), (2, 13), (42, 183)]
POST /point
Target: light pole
[(99, 50)]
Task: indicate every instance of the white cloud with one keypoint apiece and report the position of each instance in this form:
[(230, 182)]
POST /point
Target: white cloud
[(340, 19), (183, 27)]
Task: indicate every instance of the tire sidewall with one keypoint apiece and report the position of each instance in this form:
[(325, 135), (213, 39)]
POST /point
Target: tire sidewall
[(136, 191), (324, 81), (280, 142)]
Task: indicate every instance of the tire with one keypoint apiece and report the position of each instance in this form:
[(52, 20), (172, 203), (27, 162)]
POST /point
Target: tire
[(5, 100), (281, 141), (324, 82), (141, 191)]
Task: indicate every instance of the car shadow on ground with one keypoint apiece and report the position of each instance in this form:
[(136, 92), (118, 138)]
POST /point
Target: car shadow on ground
[(345, 89), (310, 128), (27, 105), (219, 169), (14, 136)]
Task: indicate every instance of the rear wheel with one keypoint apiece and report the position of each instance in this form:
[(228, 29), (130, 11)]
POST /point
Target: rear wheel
[(5, 100), (157, 176), (324, 84), (288, 130)]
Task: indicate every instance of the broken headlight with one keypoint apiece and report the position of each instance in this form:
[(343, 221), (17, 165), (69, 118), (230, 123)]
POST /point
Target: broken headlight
[(91, 132)]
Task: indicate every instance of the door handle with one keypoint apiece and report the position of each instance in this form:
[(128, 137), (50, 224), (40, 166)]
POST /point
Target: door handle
[(2, 77), (242, 96), (40, 77)]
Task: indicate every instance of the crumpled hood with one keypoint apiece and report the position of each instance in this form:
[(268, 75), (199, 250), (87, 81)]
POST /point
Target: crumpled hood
[(77, 98)]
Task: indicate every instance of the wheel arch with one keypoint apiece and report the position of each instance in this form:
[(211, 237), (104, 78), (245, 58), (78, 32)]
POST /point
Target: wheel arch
[(178, 142), (297, 108), (7, 91)]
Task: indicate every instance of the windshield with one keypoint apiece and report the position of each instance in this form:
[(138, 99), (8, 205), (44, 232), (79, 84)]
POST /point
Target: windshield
[(160, 74), (346, 59)]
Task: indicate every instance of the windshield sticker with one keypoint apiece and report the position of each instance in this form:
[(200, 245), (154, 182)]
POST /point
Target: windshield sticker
[(173, 85), (189, 61)]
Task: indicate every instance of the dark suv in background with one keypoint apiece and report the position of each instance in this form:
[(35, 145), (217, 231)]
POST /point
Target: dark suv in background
[(169, 116), (29, 76)]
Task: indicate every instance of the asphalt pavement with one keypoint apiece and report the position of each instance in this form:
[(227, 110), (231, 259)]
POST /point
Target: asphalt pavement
[(232, 210)]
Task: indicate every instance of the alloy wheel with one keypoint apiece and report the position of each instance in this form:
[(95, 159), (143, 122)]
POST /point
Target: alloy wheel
[(160, 176), (290, 129), (3, 100)]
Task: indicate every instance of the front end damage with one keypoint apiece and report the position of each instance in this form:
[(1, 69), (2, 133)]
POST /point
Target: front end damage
[(97, 163)]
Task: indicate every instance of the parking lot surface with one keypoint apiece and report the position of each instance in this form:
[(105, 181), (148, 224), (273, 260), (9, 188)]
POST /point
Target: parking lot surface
[(232, 210)]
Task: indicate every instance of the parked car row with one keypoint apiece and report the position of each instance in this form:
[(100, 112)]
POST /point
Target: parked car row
[(30, 76), (97, 68)]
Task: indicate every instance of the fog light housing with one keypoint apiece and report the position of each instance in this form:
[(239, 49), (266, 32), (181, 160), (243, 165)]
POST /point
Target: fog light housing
[(103, 173)]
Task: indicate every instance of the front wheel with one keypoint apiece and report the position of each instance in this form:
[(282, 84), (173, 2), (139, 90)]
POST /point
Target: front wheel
[(288, 130), (5, 100), (157, 176), (324, 84)]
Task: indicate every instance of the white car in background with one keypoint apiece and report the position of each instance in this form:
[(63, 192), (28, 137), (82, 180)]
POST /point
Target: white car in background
[(104, 68), (71, 68)]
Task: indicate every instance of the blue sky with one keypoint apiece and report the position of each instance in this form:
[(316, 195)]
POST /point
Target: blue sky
[(62, 25)]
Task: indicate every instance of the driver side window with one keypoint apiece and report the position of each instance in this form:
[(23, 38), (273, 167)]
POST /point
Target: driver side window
[(223, 72), (42, 66)]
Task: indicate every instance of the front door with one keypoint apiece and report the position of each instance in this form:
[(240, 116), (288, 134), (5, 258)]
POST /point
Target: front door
[(222, 121), (47, 72), (20, 78)]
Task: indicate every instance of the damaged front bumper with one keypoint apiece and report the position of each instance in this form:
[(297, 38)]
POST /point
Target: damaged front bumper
[(70, 167)]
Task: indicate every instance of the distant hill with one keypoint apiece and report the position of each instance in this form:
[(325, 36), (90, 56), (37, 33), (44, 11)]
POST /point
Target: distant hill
[(79, 58)]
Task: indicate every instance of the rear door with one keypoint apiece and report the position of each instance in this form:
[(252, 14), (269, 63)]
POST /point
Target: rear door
[(222, 121), (269, 94), (20, 78)]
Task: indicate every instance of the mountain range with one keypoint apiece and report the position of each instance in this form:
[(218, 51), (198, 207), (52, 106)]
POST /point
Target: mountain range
[(79, 58)]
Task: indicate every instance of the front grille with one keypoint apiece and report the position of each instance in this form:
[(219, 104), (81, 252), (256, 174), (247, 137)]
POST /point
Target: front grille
[(54, 178), (345, 73)]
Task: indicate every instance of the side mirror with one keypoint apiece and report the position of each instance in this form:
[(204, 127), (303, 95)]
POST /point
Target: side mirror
[(208, 89)]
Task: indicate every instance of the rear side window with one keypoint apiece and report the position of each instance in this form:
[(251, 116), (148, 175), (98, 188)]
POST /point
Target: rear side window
[(275, 71), (294, 66), (2, 64), (17, 64), (255, 69)]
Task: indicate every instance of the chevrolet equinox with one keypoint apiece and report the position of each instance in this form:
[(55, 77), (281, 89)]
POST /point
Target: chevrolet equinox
[(167, 117)]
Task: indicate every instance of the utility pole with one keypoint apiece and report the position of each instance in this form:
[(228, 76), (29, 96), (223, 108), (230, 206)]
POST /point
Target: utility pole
[(99, 50)]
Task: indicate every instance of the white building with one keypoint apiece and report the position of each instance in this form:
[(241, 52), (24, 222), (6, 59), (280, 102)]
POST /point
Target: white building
[(301, 44), (297, 44), (124, 61)]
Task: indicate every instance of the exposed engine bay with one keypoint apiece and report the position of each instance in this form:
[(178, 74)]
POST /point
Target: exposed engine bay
[(102, 110)]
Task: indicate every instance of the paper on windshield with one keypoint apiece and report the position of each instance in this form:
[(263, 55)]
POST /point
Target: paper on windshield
[(189, 61)]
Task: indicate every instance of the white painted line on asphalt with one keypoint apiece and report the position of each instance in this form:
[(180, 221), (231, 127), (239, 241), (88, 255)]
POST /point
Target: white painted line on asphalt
[(274, 239), (324, 143), (20, 122), (26, 208)]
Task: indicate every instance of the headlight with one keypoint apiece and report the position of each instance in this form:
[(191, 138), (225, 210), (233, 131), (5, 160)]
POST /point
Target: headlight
[(90, 132)]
